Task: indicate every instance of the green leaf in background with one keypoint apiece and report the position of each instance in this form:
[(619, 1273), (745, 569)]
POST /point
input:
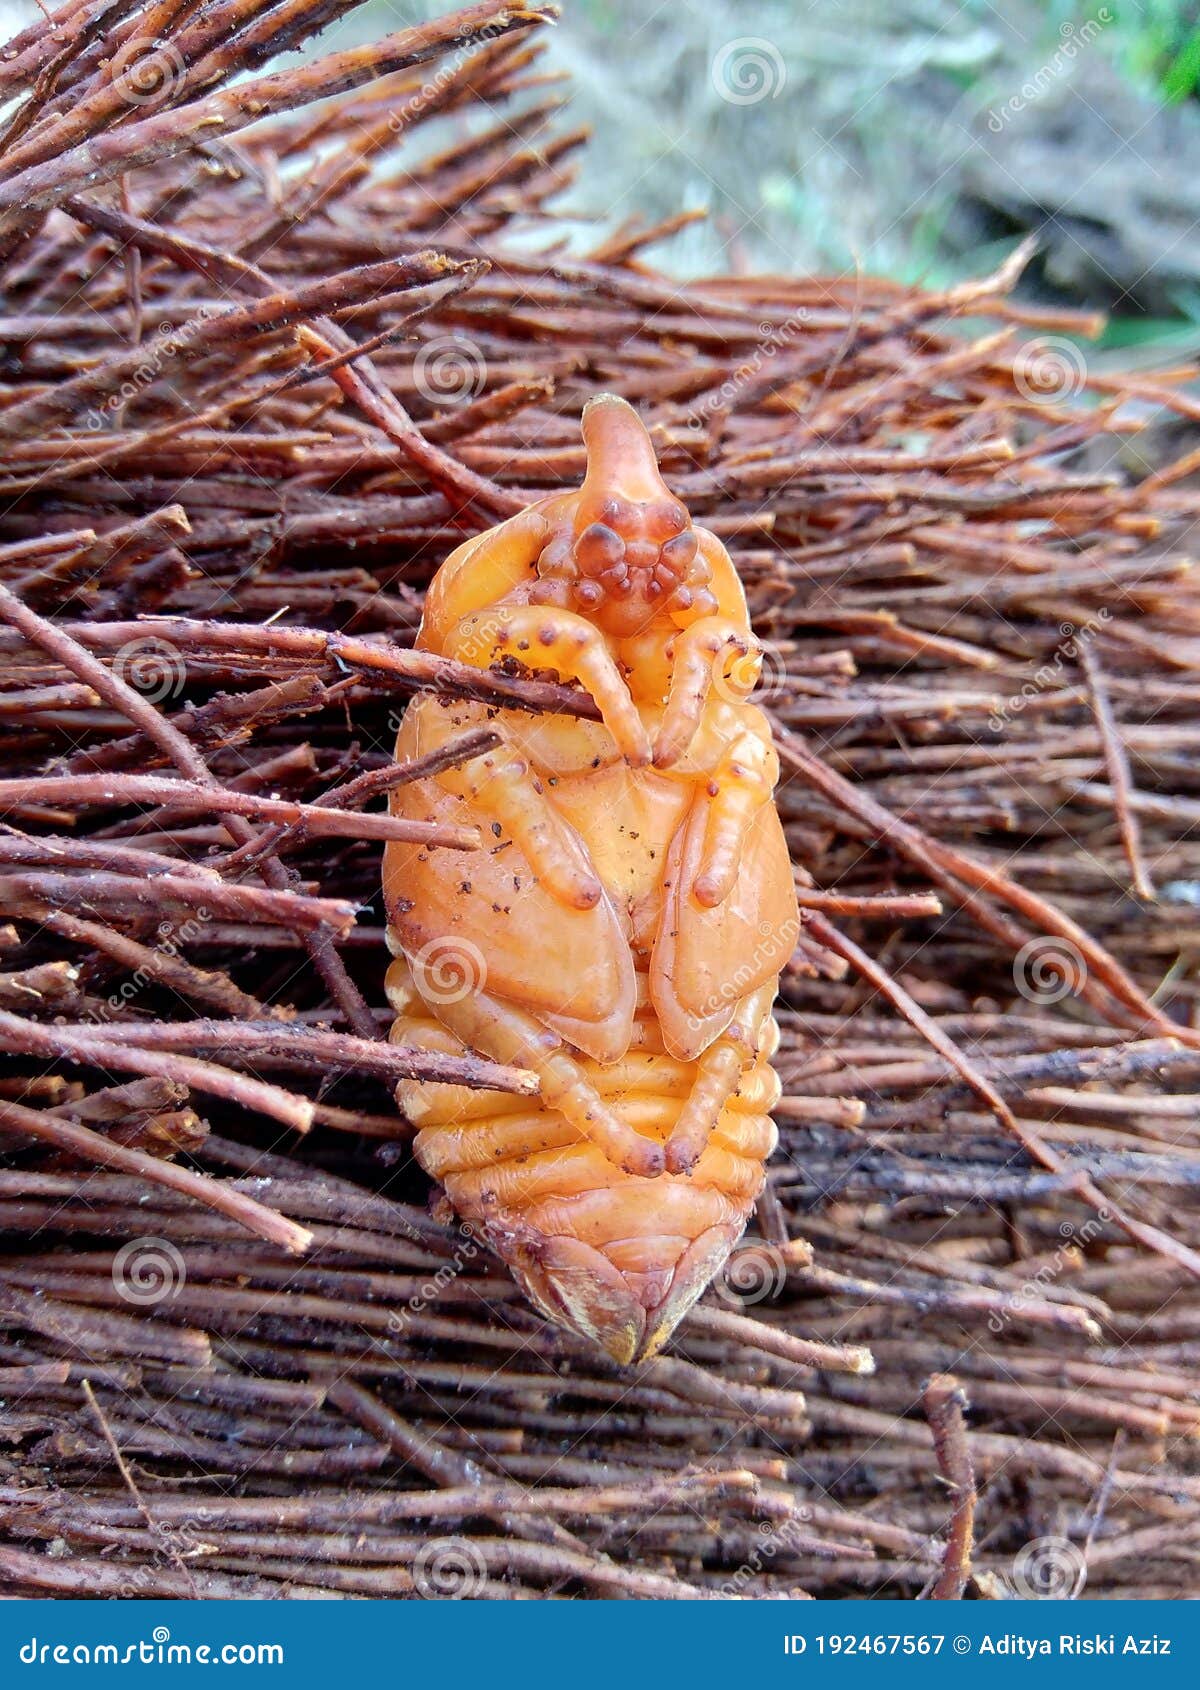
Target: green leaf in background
[(1183, 73)]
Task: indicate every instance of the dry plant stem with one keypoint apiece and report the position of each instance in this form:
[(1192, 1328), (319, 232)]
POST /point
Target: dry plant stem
[(113, 689), (363, 788), (949, 867), (313, 819), (99, 1336), (131, 1485), (450, 1468), (89, 1046), (1032, 1141), (213, 330), (804, 1352), (288, 1045), (161, 136), (125, 893), (900, 906), (373, 784), (335, 351), (1117, 762), (945, 1402), (411, 671), (81, 1141), (460, 485), (205, 986)]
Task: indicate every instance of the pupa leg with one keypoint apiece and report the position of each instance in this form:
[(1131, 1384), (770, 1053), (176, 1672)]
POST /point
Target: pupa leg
[(545, 637), (508, 788), (494, 1027), (717, 1076), (738, 787), (712, 652)]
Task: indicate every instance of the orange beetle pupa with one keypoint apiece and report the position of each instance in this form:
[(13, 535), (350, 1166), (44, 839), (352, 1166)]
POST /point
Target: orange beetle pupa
[(622, 931)]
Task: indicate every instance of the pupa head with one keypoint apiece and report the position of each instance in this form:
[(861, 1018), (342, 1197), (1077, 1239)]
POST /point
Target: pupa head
[(627, 553)]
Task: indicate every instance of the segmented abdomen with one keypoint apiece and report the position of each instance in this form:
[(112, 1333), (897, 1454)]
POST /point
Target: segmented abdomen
[(604, 1251)]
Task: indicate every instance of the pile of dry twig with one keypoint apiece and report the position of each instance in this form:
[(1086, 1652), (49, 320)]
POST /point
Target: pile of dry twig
[(269, 348)]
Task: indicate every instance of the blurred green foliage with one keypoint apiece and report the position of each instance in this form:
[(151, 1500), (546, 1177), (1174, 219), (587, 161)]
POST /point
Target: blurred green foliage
[(861, 151), (1158, 43)]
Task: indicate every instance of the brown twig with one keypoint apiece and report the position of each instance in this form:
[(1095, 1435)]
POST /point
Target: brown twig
[(945, 1402)]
